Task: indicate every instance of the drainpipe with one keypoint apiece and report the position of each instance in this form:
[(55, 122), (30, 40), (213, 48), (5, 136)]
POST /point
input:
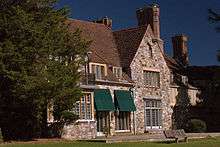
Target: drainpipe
[(87, 72), (134, 123)]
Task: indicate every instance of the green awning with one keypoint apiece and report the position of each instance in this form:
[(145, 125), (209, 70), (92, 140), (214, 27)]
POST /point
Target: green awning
[(124, 101), (103, 100)]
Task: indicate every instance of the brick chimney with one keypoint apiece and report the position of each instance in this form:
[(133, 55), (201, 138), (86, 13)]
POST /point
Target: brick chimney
[(106, 21), (150, 15), (180, 49)]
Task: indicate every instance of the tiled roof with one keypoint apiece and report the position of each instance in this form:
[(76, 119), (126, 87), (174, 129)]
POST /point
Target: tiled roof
[(103, 46), (116, 48), (128, 41), (173, 64)]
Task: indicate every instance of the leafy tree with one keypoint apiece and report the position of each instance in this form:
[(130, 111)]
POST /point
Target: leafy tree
[(215, 18), (39, 62)]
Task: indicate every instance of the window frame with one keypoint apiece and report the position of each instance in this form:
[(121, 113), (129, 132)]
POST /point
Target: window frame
[(115, 70), (96, 65), (78, 107), (158, 110), (122, 121), (152, 78)]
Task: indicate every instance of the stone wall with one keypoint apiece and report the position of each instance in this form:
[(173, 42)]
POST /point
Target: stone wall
[(80, 130), (144, 61), (87, 129)]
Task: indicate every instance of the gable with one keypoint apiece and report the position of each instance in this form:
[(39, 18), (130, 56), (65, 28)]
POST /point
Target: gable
[(147, 47), (128, 41)]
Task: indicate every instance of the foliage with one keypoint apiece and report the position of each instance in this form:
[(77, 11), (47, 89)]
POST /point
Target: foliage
[(196, 126), (54, 130), (181, 111), (39, 61), (68, 116), (215, 18), (1, 137)]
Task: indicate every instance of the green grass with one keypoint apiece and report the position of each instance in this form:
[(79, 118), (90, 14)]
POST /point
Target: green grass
[(210, 142)]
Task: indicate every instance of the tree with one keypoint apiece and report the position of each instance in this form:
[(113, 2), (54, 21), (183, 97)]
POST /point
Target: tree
[(215, 18), (39, 62)]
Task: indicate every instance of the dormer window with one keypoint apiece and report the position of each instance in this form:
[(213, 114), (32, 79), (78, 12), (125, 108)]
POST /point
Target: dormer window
[(184, 79), (117, 71), (99, 70)]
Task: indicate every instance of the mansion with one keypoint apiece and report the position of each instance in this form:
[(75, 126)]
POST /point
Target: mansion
[(130, 85)]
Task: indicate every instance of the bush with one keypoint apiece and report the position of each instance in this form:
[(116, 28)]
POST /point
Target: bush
[(1, 137), (196, 126), (54, 130), (68, 116)]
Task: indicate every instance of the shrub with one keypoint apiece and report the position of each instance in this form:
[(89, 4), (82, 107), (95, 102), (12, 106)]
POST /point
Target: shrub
[(1, 137), (196, 126), (54, 130), (68, 116)]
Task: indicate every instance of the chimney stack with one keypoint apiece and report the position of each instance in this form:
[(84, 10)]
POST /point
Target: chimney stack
[(105, 20), (180, 49), (150, 15)]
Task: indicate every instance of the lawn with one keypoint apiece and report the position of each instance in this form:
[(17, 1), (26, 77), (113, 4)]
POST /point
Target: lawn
[(211, 142)]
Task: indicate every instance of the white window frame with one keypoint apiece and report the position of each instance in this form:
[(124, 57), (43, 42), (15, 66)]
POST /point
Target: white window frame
[(117, 71), (158, 111), (98, 77), (152, 79), (184, 79), (79, 104)]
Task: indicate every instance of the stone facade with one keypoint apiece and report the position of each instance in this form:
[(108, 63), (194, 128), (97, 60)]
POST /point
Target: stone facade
[(87, 129), (141, 62), (80, 130)]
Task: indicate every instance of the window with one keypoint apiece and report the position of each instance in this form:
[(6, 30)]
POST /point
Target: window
[(150, 50), (99, 71), (171, 78), (122, 121), (152, 78), (184, 79), (102, 118), (117, 71), (83, 107), (153, 114)]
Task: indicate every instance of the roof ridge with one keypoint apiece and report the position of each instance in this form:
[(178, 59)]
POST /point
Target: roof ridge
[(86, 21), (131, 29)]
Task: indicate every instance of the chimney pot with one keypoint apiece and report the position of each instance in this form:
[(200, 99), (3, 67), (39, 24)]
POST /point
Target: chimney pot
[(105, 20), (150, 15)]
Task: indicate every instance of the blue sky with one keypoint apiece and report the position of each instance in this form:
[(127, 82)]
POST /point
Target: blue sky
[(189, 17)]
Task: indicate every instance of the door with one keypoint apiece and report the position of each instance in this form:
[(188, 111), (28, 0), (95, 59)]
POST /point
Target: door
[(103, 125)]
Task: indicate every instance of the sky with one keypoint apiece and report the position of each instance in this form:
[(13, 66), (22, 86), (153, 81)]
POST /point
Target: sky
[(189, 17)]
